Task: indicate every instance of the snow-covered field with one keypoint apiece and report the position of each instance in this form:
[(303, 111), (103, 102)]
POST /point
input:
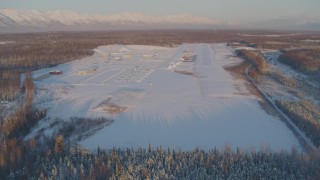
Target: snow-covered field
[(155, 97)]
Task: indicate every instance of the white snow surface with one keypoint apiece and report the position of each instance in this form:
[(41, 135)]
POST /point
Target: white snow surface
[(163, 107)]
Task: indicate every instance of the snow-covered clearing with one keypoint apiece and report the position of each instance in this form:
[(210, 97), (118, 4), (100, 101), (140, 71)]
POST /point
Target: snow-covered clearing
[(155, 97)]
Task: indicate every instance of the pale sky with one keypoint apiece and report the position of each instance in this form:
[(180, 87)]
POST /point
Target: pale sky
[(218, 9), (252, 12)]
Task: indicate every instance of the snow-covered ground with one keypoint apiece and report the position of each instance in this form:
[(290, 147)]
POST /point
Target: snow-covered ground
[(156, 98)]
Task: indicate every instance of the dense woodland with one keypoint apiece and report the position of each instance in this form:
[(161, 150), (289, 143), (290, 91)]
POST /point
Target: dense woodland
[(49, 49), (255, 58), (60, 162), (25, 115), (9, 85), (57, 157), (307, 60), (284, 80), (306, 115)]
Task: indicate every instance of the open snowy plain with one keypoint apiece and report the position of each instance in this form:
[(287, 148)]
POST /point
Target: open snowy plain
[(181, 97)]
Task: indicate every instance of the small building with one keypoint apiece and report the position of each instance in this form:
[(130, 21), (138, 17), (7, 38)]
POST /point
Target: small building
[(55, 72)]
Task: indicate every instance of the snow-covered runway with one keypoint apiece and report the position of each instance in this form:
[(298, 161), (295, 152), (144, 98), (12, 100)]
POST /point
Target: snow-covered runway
[(190, 104)]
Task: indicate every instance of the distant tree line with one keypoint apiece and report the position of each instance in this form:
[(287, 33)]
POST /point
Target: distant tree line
[(275, 45), (38, 55), (34, 51), (38, 50)]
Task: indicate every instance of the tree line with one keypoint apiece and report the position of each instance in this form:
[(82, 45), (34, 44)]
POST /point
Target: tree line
[(25, 115), (255, 58), (38, 50), (74, 162), (306, 60), (9, 85)]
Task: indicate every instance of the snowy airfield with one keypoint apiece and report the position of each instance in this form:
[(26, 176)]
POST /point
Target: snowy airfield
[(156, 97)]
